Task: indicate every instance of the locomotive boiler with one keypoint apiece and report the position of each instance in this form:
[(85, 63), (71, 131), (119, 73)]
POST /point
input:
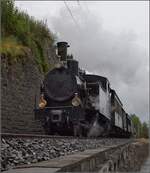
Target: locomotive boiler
[(79, 104)]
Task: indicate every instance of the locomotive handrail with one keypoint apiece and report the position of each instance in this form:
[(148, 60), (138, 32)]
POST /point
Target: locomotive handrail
[(93, 83)]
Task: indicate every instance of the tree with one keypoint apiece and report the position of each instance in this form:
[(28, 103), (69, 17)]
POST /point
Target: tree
[(137, 125), (142, 129), (145, 130)]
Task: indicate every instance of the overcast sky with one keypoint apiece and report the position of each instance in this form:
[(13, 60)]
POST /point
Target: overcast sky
[(109, 38)]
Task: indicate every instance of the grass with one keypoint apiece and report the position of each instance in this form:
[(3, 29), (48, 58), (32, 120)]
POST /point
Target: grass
[(21, 32), (12, 49)]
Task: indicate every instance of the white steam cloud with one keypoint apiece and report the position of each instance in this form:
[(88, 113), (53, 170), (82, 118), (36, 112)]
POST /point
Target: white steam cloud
[(117, 56)]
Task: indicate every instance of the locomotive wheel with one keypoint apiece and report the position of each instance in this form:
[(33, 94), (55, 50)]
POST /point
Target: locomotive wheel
[(77, 131), (50, 130), (94, 128), (107, 128), (48, 127)]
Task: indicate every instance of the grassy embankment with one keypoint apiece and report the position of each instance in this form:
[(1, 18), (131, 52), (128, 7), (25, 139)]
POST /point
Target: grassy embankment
[(22, 33)]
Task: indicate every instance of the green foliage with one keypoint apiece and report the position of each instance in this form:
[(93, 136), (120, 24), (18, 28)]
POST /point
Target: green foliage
[(13, 49), (145, 130), (27, 31), (137, 124), (140, 128)]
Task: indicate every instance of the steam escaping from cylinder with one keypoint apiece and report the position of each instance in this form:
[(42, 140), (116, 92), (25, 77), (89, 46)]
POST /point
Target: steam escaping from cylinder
[(95, 130)]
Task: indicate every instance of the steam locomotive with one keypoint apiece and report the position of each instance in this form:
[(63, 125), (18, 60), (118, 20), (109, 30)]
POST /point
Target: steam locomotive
[(75, 103)]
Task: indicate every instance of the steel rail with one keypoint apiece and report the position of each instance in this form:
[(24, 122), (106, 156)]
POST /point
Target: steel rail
[(19, 135), (16, 135)]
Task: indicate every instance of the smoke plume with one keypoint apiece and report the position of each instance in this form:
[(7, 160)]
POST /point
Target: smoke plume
[(117, 56)]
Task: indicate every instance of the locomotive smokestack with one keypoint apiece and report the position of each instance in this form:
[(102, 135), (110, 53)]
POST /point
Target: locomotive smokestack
[(62, 50)]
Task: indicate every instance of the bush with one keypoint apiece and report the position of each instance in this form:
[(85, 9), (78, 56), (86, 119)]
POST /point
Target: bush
[(13, 49), (26, 32)]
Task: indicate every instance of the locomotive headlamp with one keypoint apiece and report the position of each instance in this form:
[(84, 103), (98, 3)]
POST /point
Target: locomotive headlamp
[(43, 102), (76, 100)]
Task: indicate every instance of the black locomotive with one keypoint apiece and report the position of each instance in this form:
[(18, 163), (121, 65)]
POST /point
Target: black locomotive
[(75, 103)]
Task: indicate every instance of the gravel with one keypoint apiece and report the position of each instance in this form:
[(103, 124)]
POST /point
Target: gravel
[(19, 151)]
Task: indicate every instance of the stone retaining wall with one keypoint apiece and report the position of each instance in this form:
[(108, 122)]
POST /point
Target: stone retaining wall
[(121, 158), (20, 83), (126, 159)]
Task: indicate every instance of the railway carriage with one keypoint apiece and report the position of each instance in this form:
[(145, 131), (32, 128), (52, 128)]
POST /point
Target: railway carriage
[(130, 128), (124, 121), (117, 120)]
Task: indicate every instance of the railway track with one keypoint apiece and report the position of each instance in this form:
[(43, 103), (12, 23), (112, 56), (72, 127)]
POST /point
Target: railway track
[(15, 135)]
